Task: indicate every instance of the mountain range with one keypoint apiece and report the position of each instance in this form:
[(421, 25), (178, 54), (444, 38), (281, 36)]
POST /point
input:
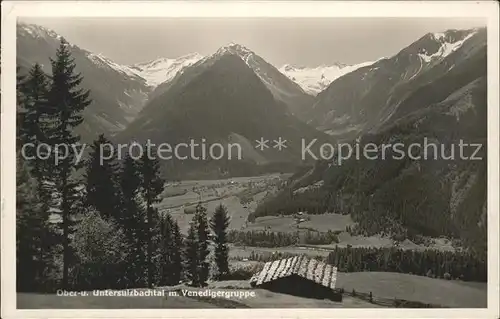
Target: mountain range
[(434, 88), (372, 95)]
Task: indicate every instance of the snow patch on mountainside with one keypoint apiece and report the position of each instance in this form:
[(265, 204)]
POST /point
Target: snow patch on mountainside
[(37, 31), (164, 69), (446, 47), (104, 62), (315, 80)]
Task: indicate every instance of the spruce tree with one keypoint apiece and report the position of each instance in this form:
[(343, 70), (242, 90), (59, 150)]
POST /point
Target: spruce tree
[(191, 255), (163, 249), (151, 187), (170, 259), (32, 124), (170, 251), (66, 102), (177, 267), (32, 107), (102, 190), (219, 224), (133, 220), (201, 223), (32, 95)]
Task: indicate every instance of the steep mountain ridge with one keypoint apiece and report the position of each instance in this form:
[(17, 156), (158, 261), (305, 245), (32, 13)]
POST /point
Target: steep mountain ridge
[(439, 189), (221, 99), (282, 88), (117, 93), (359, 101)]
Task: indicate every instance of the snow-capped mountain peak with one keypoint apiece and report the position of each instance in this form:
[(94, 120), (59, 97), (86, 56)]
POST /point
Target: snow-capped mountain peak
[(437, 46), (37, 31), (161, 70), (316, 79), (102, 61), (236, 49)]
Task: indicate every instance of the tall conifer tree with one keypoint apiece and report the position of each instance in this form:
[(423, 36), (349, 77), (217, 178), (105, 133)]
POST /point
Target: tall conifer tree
[(32, 107), (152, 187), (66, 102), (102, 189), (201, 223), (191, 255), (133, 220), (219, 224)]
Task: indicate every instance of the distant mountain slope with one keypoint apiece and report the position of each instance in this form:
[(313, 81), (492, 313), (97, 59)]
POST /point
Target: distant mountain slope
[(282, 88), (315, 80), (440, 194), (118, 94), (361, 100), (163, 69), (221, 99)]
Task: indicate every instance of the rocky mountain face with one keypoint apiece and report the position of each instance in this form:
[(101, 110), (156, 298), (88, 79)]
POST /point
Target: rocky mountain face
[(163, 70), (117, 93), (221, 99), (438, 101), (316, 79), (360, 101), (282, 88)]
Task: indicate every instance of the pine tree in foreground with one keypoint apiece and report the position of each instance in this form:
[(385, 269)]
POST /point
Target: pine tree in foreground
[(191, 255), (169, 259), (152, 187), (219, 224), (32, 91), (201, 223), (33, 129), (66, 103), (177, 267), (133, 221), (102, 190), (32, 96)]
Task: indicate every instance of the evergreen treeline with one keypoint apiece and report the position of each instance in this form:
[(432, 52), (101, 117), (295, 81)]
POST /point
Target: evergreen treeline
[(432, 263), (403, 198), (100, 229), (262, 238)]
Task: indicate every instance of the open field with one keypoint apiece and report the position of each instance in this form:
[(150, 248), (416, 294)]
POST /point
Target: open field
[(321, 223), (179, 196), (448, 293), (244, 252), (186, 194)]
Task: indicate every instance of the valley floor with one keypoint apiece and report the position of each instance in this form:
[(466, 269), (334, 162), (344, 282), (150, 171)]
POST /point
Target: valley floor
[(186, 194)]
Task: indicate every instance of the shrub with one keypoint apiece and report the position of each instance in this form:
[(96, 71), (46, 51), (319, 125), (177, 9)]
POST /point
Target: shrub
[(100, 250)]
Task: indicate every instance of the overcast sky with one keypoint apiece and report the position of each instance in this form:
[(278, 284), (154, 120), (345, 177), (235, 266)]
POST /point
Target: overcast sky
[(298, 41)]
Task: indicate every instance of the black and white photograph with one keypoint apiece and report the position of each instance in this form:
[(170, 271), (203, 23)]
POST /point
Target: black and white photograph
[(250, 162)]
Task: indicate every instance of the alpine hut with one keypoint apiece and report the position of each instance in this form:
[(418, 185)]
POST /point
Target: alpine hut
[(300, 276)]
